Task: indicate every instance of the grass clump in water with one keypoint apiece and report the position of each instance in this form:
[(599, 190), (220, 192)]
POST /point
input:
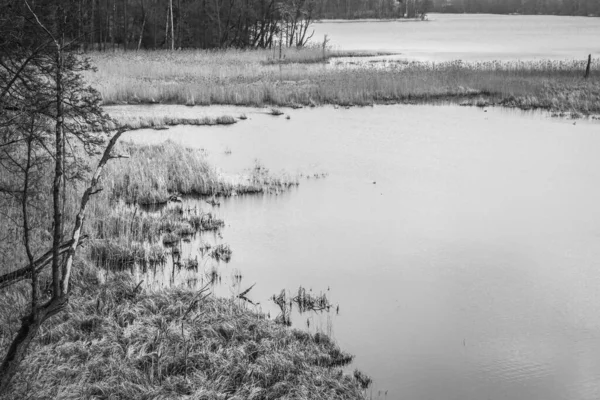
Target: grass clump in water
[(154, 173), (221, 252)]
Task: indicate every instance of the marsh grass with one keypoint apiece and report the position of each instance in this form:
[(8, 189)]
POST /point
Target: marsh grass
[(221, 252), (119, 341), (117, 220), (162, 122), (154, 173), (246, 78), (315, 54)]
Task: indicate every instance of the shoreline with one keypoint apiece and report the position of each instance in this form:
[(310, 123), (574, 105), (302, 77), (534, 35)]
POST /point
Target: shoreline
[(239, 112), (123, 340)]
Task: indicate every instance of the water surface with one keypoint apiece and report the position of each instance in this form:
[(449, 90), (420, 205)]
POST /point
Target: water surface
[(471, 37), (463, 246)]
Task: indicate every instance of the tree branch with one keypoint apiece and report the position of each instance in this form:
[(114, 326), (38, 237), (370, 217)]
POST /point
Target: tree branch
[(39, 264)]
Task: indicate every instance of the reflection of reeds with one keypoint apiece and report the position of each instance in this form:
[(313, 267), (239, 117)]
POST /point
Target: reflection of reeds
[(242, 78)]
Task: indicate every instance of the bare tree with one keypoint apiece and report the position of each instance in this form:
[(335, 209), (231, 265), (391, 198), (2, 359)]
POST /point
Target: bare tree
[(47, 106)]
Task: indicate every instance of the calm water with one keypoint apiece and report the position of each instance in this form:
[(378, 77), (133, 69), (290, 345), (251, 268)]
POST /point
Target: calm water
[(471, 37), (469, 270)]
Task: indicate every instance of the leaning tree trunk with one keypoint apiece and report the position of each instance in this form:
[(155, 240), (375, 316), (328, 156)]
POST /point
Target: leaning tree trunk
[(30, 326)]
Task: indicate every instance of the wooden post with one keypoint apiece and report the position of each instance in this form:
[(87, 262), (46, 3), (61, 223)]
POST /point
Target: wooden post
[(589, 66)]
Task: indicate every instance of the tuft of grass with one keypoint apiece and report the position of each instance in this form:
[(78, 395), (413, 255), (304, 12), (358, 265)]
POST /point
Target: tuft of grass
[(221, 252), (119, 341), (247, 78), (171, 239), (116, 255), (364, 380)]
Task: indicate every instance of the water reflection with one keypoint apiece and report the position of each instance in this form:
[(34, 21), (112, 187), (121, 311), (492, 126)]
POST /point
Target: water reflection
[(468, 270)]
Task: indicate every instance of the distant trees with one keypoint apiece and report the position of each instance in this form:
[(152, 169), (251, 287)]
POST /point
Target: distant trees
[(169, 24), (353, 9), (356, 9), (545, 7)]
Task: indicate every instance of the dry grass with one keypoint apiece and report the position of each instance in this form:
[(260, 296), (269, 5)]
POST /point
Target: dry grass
[(161, 122), (154, 173), (120, 342), (255, 78)]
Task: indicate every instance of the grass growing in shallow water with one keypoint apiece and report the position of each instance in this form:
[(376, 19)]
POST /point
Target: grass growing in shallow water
[(154, 173)]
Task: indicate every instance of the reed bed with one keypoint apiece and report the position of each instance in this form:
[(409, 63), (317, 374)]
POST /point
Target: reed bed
[(248, 78), (154, 173), (119, 341), (120, 255), (162, 122), (119, 220)]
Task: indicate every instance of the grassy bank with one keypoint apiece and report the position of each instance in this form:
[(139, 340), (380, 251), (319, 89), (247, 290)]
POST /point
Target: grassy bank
[(255, 78), (120, 342)]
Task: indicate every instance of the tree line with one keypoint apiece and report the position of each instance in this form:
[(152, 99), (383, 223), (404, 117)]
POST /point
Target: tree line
[(107, 25), (172, 24), (530, 7), (372, 9), (207, 24)]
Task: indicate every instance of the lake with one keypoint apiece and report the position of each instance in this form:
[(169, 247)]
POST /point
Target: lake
[(462, 245), (474, 37)]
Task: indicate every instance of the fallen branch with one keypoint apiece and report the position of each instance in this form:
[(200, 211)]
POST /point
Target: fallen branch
[(25, 273), (244, 293)]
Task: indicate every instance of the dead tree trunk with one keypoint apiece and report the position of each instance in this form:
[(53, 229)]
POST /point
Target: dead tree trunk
[(172, 28), (143, 26)]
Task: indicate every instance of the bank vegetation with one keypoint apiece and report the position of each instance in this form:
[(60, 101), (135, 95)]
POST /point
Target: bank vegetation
[(318, 76)]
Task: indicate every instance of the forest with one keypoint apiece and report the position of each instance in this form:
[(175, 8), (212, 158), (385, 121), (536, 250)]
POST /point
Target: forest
[(208, 24), (530, 7)]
